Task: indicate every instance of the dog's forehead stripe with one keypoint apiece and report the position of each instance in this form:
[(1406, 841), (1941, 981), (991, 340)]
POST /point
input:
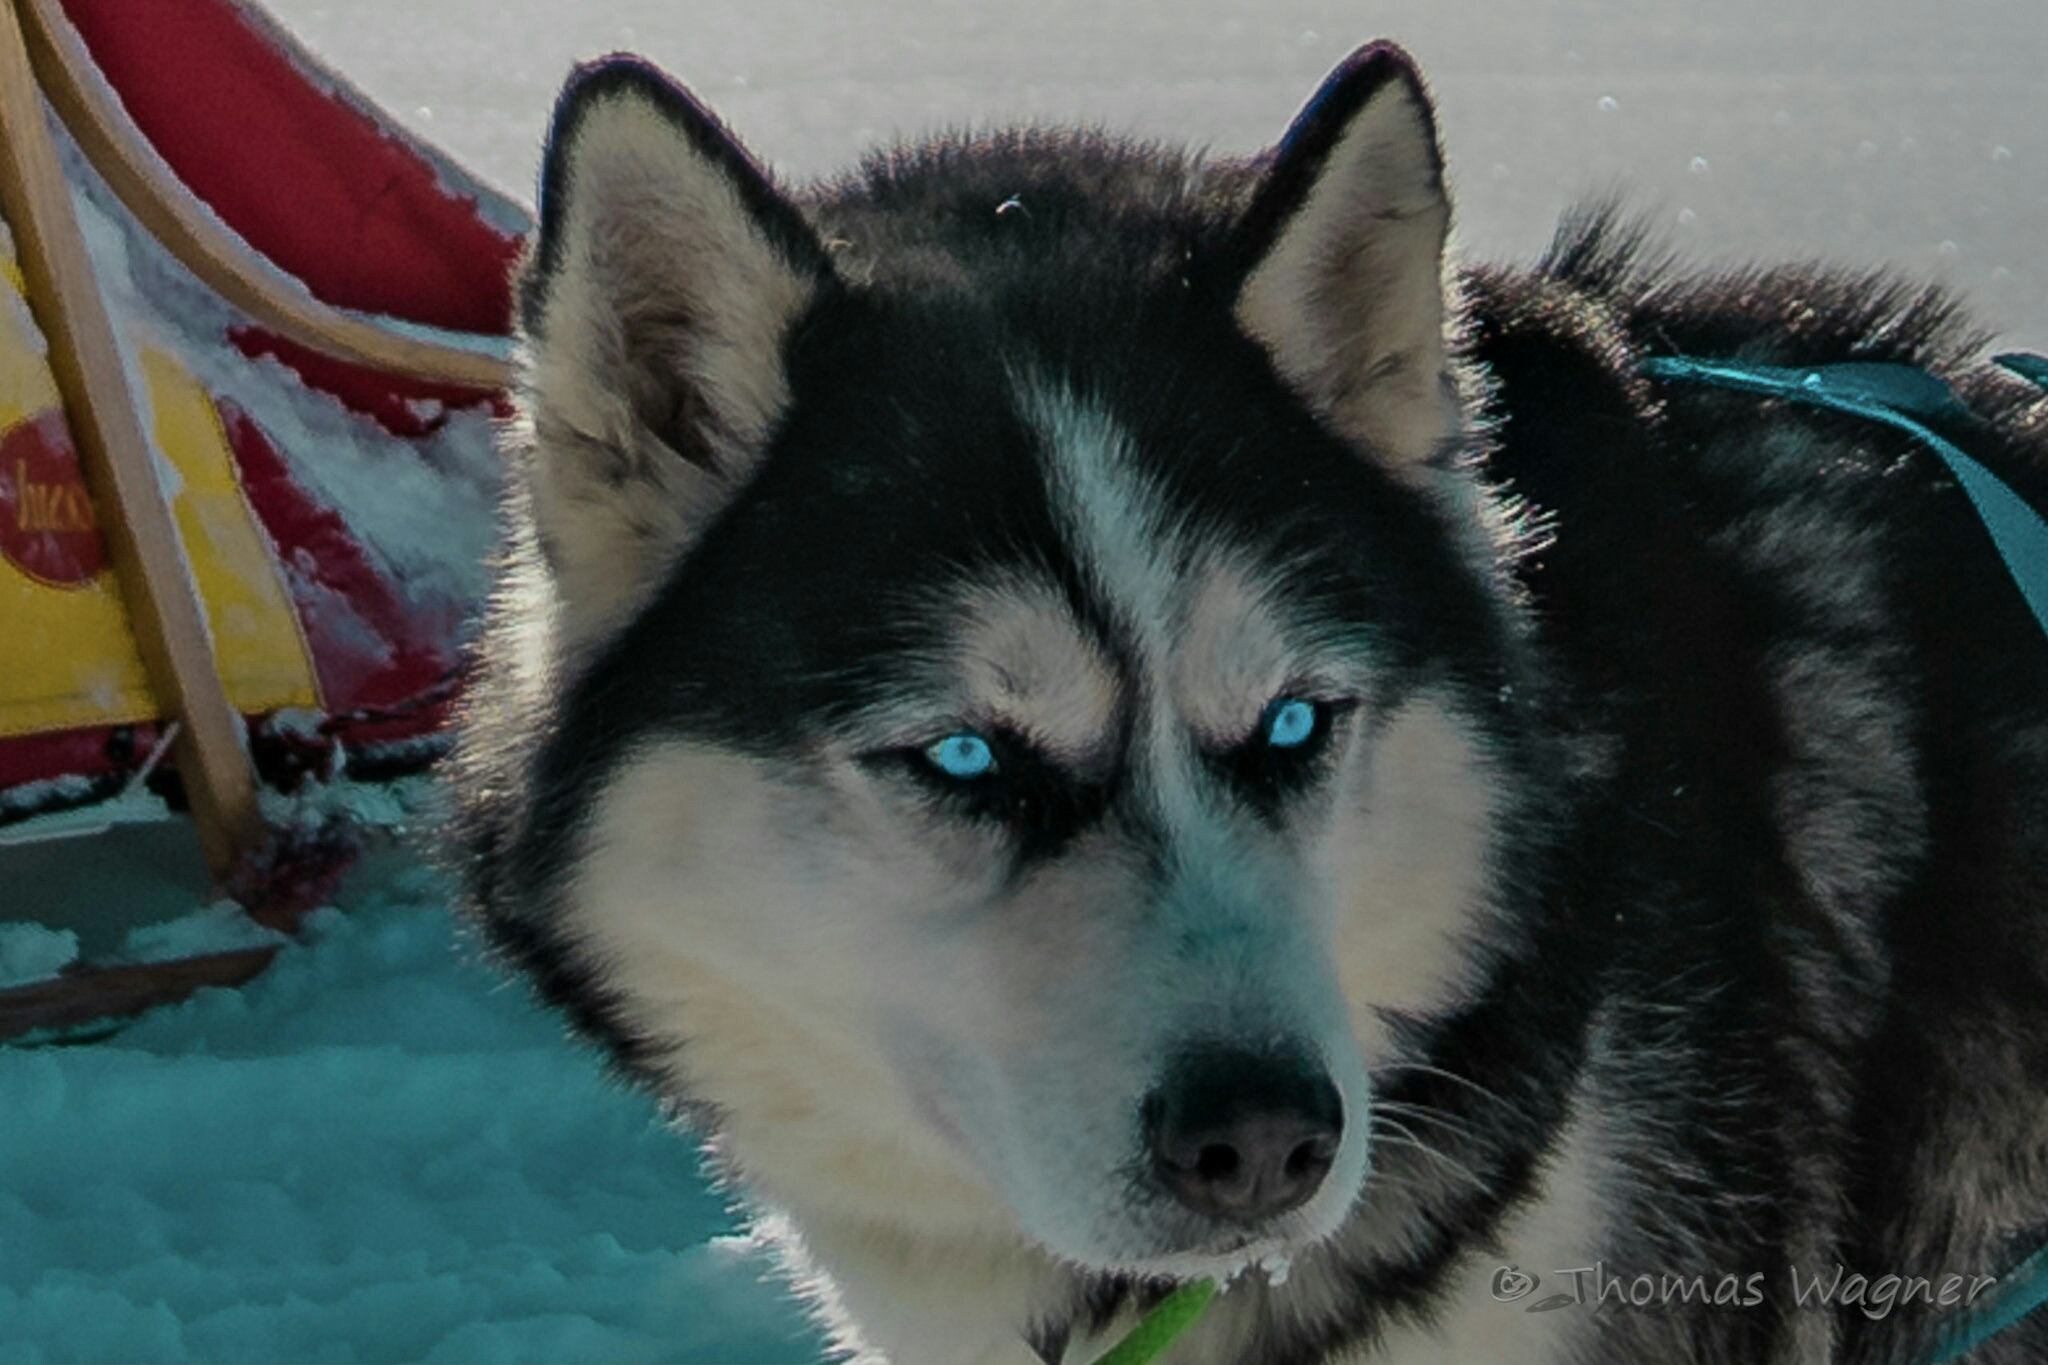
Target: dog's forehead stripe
[(1205, 629), (1118, 529)]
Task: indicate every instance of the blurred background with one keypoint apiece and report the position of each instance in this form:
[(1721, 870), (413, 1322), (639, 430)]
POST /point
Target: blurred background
[(1863, 130)]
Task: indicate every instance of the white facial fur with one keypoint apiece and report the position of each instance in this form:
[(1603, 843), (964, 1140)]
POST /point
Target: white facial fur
[(886, 1020), (934, 1061)]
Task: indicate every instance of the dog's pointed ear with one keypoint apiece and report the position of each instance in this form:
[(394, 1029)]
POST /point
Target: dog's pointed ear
[(1342, 248), (655, 300)]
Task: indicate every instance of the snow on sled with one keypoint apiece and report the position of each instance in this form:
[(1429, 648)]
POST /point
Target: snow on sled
[(252, 342)]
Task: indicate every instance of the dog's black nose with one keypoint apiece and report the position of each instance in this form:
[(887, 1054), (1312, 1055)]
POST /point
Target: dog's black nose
[(1243, 1135)]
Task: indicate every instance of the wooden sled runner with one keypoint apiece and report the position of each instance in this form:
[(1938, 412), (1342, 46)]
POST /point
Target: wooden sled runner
[(252, 341)]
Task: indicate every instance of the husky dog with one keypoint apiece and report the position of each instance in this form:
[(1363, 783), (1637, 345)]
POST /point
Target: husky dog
[(1093, 717)]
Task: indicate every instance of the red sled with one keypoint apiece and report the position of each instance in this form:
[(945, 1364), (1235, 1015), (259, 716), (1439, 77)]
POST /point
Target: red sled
[(247, 471)]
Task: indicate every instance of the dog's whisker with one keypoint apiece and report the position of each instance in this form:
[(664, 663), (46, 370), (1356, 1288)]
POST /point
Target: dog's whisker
[(1395, 1134), (1423, 1113), (1423, 1068)]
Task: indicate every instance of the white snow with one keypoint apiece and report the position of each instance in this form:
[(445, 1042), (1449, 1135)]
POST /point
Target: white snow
[(32, 952), (133, 805), (376, 1151), (36, 795), (1277, 1265), (217, 928), (417, 507)]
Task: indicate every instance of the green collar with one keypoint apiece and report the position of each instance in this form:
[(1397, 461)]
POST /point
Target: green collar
[(1162, 1325)]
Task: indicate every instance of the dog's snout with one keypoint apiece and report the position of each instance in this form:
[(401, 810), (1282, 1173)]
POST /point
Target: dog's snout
[(1243, 1135)]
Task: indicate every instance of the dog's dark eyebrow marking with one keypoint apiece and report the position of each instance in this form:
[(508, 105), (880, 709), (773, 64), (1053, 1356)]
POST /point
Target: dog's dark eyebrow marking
[(1090, 761), (885, 726)]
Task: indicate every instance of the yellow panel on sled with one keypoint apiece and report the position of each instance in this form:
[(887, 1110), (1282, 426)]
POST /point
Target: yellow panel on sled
[(67, 659)]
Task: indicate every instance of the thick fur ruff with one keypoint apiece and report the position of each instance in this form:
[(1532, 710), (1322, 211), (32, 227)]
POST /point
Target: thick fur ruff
[(1621, 808)]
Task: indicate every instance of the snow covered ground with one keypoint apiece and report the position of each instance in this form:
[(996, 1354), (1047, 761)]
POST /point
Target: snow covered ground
[(377, 1151)]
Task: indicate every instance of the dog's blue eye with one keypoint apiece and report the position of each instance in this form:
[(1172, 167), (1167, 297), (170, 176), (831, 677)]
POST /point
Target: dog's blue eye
[(1290, 723), (964, 755)]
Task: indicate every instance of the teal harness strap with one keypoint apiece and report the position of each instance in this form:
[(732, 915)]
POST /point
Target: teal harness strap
[(2025, 1289), (1901, 396), (2029, 367)]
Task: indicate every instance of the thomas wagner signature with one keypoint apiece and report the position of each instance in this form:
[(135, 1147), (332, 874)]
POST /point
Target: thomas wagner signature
[(1595, 1286)]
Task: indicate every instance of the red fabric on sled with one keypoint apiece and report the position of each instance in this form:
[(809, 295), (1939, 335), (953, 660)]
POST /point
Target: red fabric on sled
[(310, 177), (26, 759), (371, 647), (306, 177)]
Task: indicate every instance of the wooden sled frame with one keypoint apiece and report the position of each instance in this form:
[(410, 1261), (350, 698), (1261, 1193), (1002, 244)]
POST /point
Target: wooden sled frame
[(211, 250), (42, 56)]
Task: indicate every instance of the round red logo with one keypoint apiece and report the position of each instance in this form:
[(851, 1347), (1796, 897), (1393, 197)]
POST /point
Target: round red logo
[(47, 527)]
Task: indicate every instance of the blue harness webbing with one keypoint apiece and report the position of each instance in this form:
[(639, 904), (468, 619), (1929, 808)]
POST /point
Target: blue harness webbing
[(1901, 396)]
